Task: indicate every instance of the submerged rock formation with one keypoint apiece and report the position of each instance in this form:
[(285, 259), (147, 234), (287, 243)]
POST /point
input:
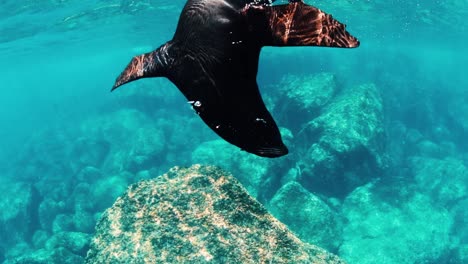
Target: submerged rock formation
[(346, 143), (195, 215), (307, 215)]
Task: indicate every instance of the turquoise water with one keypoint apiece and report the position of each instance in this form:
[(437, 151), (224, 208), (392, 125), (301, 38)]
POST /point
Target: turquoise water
[(69, 147)]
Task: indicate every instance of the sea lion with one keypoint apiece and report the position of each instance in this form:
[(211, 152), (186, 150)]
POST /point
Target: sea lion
[(213, 60)]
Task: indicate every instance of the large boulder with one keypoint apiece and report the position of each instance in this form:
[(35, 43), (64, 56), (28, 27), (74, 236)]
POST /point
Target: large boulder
[(307, 215), (346, 143), (195, 215)]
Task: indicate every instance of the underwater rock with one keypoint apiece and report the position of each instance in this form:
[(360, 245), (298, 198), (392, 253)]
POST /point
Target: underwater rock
[(445, 180), (49, 209), (75, 242), (411, 230), (18, 213), (307, 216), (346, 143), (250, 169), (301, 97), (195, 215), (78, 208)]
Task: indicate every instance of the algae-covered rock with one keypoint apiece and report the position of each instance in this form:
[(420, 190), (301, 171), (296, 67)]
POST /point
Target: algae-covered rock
[(412, 231), (346, 142), (307, 216), (195, 215)]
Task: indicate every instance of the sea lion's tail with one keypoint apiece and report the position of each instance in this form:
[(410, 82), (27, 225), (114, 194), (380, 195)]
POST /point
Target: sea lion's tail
[(152, 64)]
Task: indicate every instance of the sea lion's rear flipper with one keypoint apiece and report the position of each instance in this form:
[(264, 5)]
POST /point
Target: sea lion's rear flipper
[(298, 24), (152, 64)]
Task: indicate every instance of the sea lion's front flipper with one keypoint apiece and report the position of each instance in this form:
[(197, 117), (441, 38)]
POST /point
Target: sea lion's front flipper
[(152, 64), (297, 24)]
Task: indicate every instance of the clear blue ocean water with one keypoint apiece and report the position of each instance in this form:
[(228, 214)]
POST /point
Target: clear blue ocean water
[(62, 131)]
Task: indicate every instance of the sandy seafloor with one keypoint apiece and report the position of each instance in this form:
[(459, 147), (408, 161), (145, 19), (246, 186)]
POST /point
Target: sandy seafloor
[(378, 135)]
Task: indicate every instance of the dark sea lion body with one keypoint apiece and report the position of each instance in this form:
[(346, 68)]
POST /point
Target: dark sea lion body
[(213, 60)]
